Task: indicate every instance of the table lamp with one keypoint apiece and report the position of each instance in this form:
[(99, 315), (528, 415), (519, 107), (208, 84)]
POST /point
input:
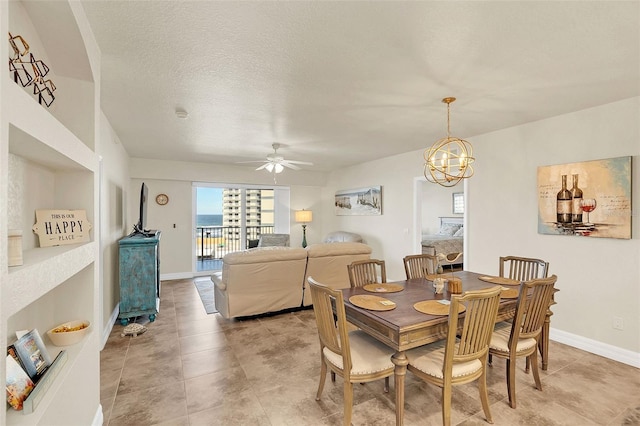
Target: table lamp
[(304, 216)]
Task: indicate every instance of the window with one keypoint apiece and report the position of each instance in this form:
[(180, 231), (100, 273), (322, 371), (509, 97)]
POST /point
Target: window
[(458, 203)]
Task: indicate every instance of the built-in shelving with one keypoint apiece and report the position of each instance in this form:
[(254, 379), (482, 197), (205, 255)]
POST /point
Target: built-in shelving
[(48, 162)]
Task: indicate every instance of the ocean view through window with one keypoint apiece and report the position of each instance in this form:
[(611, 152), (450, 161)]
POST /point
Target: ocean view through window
[(232, 218)]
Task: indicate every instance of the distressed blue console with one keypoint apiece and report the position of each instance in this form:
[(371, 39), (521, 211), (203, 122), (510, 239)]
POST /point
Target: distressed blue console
[(139, 276)]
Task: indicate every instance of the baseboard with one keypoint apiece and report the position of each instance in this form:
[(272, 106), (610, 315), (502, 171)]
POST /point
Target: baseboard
[(178, 276), (614, 353), (98, 419), (109, 326)]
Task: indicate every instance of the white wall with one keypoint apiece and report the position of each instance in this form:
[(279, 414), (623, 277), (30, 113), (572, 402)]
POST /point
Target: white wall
[(598, 278), (114, 188), (437, 202)]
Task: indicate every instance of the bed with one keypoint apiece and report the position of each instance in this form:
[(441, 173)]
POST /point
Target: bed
[(448, 240)]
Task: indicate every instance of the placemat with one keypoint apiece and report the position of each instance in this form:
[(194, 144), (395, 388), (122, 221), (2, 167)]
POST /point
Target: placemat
[(431, 277), (435, 307), (499, 280), (383, 288), (373, 303), (509, 293)]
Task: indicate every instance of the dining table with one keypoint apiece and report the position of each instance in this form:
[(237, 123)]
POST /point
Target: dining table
[(401, 326)]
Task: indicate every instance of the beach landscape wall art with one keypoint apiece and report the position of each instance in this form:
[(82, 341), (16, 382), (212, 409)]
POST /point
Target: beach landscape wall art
[(359, 202), (589, 199)]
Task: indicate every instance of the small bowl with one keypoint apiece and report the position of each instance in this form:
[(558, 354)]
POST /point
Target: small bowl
[(67, 334)]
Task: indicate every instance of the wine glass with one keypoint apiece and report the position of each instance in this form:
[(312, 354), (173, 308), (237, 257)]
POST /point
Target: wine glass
[(588, 205)]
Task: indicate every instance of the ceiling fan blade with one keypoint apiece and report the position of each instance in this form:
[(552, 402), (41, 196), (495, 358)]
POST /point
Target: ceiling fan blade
[(263, 166), (306, 163), (252, 161), (289, 165)]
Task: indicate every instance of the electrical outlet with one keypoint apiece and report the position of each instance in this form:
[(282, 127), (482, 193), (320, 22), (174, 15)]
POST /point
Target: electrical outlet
[(618, 323)]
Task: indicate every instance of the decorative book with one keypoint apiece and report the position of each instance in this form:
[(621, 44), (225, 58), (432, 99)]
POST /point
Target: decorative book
[(33, 354), (18, 383)]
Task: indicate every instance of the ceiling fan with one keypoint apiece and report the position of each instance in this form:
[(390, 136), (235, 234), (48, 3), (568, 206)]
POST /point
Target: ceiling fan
[(276, 163)]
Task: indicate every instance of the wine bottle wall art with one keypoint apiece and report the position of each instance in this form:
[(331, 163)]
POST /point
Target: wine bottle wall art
[(588, 199)]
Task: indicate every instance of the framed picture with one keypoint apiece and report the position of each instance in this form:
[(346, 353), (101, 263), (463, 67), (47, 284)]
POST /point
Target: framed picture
[(361, 201), (458, 203), (33, 354), (589, 199)]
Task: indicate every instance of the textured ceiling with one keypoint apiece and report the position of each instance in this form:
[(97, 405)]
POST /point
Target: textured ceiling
[(340, 83)]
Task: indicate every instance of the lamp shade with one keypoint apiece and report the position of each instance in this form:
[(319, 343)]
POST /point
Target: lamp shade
[(304, 216)]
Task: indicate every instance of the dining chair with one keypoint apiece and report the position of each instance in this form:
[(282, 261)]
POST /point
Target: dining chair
[(353, 355), (525, 269), (416, 265), (521, 339), (368, 271), (462, 358)]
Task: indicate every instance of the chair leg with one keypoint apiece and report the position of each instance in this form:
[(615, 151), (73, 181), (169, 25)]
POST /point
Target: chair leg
[(484, 395), (534, 367), (526, 367), (333, 376), (323, 378), (386, 384), (490, 362), (511, 381), (348, 402), (446, 406)]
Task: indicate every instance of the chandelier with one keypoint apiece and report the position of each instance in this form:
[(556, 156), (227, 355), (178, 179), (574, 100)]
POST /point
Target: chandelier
[(448, 161)]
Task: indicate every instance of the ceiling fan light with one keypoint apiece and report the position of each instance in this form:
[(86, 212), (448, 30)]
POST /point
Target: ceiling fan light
[(279, 168), (270, 167)]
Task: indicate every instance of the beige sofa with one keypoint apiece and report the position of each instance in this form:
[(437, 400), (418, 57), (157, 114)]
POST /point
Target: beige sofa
[(327, 264), (272, 279)]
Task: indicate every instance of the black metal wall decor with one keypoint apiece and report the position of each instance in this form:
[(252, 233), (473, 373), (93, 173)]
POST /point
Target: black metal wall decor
[(30, 72)]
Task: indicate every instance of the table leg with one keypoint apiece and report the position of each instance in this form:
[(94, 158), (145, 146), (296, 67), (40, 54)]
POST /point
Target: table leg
[(544, 342), (400, 361)]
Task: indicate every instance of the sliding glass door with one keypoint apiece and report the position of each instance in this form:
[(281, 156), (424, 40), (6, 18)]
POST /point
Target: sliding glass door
[(230, 218)]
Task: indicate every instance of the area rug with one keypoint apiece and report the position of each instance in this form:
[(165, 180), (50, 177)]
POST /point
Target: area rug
[(204, 285)]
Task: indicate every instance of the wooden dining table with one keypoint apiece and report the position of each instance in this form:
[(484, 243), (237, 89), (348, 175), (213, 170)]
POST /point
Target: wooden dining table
[(404, 327)]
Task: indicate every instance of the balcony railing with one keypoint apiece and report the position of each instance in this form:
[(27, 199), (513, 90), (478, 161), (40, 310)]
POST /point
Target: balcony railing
[(213, 242)]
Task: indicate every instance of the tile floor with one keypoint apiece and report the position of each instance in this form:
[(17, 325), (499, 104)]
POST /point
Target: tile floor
[(191, 368)]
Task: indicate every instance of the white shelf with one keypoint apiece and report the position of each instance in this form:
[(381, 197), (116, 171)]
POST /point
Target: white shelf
[(48, 161), (74, 353), (43, 270), (39, 137)]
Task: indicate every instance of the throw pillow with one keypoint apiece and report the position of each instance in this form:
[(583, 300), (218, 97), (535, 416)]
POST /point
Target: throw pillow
[(448, 229)]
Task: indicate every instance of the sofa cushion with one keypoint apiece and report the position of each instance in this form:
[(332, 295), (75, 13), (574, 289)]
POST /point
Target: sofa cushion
[(327, 263), (342, 237), (271, 240), (342, 249), (264, 254)]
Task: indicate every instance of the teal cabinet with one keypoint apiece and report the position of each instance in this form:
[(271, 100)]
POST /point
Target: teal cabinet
[(139, 276)]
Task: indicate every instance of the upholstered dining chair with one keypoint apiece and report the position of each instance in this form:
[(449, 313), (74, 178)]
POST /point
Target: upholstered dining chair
[(462, 360), (355, 356), (523, 268), (416, 265), (368, 271), (521, 339)]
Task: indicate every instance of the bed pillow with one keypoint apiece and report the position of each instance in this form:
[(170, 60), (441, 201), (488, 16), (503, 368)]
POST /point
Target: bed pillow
[(448, 229), (459, 232)]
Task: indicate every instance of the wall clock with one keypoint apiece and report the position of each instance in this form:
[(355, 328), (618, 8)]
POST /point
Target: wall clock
[(162, 199)]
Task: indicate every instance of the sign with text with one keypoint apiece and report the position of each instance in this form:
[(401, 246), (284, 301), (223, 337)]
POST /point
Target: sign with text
[(60, 227)]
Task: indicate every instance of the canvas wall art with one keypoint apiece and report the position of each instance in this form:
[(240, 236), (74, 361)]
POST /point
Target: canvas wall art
[(361, 201), (589, 199)]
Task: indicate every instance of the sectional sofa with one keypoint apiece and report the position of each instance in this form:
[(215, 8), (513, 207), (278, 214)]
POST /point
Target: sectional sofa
[(271, 279)]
